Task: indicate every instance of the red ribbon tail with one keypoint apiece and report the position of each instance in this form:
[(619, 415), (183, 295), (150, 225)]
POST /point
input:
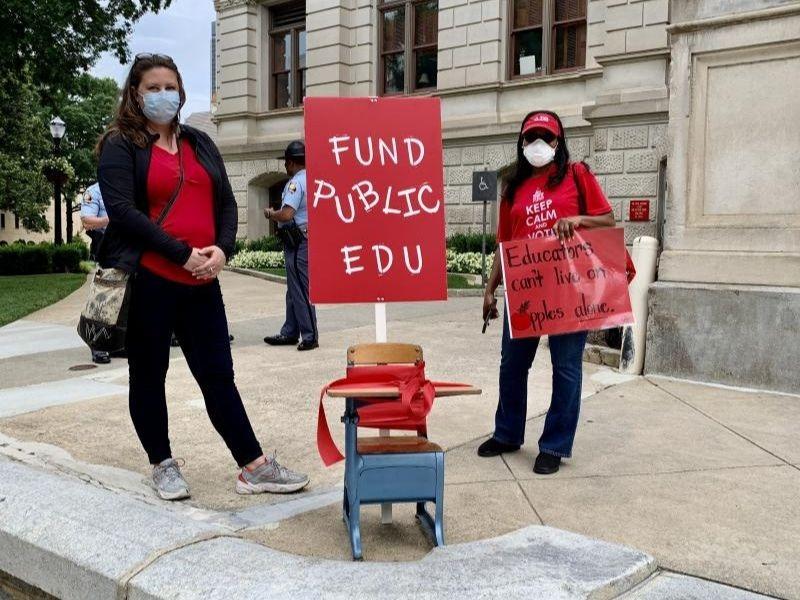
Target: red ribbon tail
[(328, 451)]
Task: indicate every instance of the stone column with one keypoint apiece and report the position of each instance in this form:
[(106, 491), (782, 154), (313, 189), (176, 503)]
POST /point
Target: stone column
[(727, 304), (341, 48)]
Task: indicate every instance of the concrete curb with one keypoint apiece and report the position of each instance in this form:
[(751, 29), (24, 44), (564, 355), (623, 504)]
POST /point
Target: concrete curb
[(452, 293), (74, 540)]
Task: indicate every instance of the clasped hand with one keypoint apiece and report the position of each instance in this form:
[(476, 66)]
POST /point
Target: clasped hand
[(205, 263)]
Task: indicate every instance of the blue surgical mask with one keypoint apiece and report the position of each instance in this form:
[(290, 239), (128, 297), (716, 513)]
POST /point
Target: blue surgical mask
[(161, 107)]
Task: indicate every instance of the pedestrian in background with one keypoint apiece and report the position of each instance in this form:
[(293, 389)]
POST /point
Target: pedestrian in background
[(152, 169), (292, 220), (95, 219), (544, 195)]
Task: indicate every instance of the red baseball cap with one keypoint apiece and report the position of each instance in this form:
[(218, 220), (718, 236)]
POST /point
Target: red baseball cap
[(541, 120)]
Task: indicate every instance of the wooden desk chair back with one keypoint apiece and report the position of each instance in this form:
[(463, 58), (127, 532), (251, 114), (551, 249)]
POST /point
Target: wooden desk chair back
[(383, 354)]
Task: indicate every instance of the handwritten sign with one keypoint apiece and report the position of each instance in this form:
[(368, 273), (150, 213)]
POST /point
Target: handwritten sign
[(554, 288), (375, 200)]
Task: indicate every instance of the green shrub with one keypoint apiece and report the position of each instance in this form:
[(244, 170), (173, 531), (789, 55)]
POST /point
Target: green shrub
[(268, 243), (21, 259), (67, 257), (470, 242)]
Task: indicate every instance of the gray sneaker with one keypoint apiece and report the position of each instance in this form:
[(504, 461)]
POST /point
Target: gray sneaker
[(168, 480), (270, 477)]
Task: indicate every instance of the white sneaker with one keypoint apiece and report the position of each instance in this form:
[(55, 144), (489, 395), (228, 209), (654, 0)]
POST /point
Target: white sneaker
[(270, 477)]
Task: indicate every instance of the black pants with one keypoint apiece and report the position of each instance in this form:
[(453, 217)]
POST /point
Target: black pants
[(197, 316)]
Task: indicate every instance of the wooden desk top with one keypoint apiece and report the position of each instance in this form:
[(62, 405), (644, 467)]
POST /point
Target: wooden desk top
[(442, 391)]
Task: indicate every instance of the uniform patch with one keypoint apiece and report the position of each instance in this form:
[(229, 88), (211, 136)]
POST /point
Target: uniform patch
[(293, 187)]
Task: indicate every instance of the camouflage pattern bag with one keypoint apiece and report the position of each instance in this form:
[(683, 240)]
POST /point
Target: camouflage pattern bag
[(104, 319)]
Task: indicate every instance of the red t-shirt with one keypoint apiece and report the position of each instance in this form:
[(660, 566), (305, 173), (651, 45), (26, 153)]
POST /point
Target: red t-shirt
[(536, 208), (191, 218)]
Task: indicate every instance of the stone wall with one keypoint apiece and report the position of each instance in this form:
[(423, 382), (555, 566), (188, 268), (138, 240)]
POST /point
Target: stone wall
[(341, 48), (469, 42), (625, 160)]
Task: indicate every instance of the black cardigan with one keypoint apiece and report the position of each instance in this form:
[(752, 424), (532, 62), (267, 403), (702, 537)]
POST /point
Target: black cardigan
[(122, 175)]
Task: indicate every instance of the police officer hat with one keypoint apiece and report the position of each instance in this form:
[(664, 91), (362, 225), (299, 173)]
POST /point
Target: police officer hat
[(295, 149)]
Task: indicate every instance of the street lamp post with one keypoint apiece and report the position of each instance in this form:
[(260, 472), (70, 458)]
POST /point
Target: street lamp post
[(57, 130)]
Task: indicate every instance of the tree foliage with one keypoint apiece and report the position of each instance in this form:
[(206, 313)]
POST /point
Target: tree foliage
[(46, 49), (60, 39), (23, 189), (87, 111)]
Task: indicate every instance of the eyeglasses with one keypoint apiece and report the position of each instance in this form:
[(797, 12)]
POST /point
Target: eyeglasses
[(151, 56), (532, 136)]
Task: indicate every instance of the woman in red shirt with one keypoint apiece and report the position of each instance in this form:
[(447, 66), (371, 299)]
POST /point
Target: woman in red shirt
[(545, 195), (173, 221)]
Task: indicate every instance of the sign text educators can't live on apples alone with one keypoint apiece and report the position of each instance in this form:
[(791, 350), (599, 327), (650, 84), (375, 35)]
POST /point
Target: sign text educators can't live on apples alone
[(376, 201), (554, 288)]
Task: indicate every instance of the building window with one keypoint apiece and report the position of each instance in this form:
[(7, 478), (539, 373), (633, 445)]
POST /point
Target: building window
[(409, 31), (16, 221), (288, 54), (547, 36), (2, 221)]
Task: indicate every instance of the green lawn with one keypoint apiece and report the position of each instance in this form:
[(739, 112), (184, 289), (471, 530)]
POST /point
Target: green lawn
[(458, 282), (23, 294)]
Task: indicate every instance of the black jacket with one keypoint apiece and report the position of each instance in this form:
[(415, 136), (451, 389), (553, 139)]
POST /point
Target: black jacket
[(122, 174)]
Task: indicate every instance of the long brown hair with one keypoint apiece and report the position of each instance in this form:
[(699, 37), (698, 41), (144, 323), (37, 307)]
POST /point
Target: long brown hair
[(130, 121)]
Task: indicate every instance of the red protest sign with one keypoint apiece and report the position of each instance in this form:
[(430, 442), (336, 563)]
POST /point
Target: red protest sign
[(375, 200), (554, 288)]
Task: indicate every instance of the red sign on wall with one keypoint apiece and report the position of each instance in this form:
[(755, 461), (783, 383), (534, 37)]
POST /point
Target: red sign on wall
[(556, 288), (639, 210), (375, 200)]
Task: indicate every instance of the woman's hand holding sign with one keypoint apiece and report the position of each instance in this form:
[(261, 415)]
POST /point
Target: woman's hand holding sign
[(565, 228)]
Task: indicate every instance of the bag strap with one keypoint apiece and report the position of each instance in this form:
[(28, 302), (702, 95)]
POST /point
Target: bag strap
[(581, 198), (171, 201)]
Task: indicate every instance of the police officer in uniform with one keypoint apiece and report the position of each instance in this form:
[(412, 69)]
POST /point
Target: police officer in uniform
[(292, 220)]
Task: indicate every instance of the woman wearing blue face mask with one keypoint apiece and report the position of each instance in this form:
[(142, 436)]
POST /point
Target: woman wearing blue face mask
[(544, 195), (173, 221)]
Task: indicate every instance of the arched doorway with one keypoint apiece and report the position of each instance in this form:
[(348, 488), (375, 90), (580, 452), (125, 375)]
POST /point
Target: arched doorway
[(262, 191)]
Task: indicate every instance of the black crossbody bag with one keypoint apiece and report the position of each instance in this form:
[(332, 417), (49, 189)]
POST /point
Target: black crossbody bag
[(103, 324)]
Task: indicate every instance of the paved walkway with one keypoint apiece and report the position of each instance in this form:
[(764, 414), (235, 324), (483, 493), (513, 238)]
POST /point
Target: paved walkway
[(702, 478)]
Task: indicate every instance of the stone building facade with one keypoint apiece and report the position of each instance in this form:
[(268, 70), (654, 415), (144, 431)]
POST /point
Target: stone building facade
[(613, 102), (675, 102)]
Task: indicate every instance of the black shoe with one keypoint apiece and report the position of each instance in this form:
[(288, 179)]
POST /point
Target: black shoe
[(280, 340), (546, 464), (230, 338), (310, 345), (100, 357), (492, 447)]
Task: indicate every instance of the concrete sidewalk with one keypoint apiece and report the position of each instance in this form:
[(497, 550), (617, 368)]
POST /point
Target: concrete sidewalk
[(703, 479)]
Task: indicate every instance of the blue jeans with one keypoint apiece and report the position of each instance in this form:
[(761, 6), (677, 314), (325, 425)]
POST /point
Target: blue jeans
[(516, 358)]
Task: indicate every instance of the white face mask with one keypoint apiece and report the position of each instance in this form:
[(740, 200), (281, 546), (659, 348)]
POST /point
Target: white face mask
[(539, 153)]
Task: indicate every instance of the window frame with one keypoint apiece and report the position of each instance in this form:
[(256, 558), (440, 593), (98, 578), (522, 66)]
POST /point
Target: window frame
[(410, 48), (548, 27), (294, 29)]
